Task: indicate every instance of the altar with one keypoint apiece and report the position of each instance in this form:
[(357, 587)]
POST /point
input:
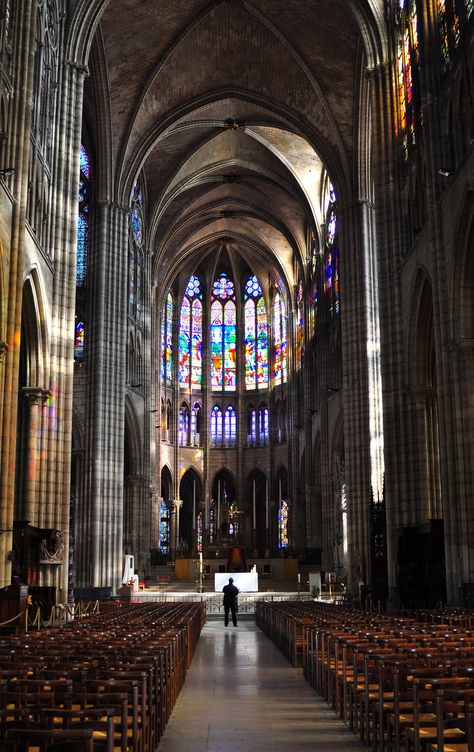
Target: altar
[(246, 582)]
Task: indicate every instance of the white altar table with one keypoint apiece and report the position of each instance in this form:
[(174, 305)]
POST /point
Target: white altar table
[(246, 582)]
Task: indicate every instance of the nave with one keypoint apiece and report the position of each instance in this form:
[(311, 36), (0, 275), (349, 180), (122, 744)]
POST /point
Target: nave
[(242, 695)]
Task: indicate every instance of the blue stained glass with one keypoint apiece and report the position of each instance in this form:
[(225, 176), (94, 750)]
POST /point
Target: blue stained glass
[(216, 426), (252, 426), (84, 162), (83, 217), (137, 225), (230, 426), (82, 244), (164, 528)]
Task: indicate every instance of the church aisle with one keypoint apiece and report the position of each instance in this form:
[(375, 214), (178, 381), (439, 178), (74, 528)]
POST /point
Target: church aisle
[(241, 695)]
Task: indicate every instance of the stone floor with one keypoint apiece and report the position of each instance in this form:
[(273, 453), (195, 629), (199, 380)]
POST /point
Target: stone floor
[(242, 695)]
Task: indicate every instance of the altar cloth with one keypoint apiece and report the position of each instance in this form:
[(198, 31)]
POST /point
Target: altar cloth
[(246, 582)]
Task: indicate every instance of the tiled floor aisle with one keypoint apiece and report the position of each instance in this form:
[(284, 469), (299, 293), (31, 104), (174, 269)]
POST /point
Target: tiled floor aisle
[(241, 695)]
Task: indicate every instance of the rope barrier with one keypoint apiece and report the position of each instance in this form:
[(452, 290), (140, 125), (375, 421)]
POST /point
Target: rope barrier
[(9, 621), (58, 613)]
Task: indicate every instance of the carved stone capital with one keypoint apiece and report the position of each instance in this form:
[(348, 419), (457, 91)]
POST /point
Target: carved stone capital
[(36, 395)]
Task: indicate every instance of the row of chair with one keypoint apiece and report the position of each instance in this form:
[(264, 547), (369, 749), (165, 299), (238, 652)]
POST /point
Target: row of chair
[(108, 682), (400, 683)]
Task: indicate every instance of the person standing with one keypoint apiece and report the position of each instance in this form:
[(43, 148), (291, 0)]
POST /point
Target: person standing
[(230, 602)]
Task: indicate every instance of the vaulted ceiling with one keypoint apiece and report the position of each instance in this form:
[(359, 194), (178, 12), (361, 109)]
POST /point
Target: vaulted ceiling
[(233, 110)]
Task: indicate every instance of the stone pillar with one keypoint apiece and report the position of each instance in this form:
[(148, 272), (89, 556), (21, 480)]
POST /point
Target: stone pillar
[(100, 536), (55, 504), (36, 398), (16, 152)]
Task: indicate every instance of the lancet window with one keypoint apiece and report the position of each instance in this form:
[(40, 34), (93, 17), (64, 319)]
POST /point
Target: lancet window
[(83, 217), (331, 256), (135, 258), (166, 368), (256, 336), (280, 370), (408, 53), (190, 336), (223, 335), (299, 348)]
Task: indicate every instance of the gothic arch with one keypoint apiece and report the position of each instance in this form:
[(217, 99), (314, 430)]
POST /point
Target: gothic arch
[(166, 483), (34, 335), (424, 401), (420, 342)]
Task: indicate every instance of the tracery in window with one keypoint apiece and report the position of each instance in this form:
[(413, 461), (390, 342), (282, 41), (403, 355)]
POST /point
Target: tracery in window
[(223, 335), (166, 366), (280, 370), (79, 338), (184, 425), (223, 427), (190, 336), (216, 426), (251, 426), (230, 426), (263, 425), (83, 217), (256, 336)]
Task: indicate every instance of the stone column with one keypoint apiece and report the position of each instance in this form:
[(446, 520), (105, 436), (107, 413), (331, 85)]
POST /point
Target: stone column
[(36, 398), (55, 505), (16, 154), (100, 537)]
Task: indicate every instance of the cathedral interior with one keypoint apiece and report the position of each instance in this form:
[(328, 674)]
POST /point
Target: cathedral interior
[(236, 291)]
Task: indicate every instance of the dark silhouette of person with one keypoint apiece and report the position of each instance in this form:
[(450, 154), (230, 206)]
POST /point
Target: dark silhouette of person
[(230, 602)]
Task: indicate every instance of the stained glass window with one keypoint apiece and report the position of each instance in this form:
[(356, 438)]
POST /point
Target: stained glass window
[(223, 335), (299, 327), (164, 528), (407, 60), (216, 426), (135, 253), (230, 426), (331, 260), (252, 426), (280, 371), (256, 336), (166, 368), (283, 524), (195, 424), (183, 427), (263, 428), (190, 336), (79, 339), (83, 217)]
